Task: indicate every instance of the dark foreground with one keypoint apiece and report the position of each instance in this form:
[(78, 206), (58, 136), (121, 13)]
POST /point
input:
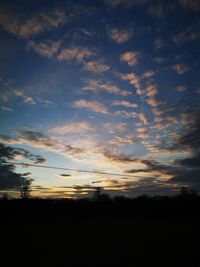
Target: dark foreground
[(145, 232)]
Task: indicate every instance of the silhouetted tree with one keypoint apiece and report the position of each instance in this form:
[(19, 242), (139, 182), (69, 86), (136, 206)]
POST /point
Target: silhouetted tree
[(186, 191), (97, 193), (5, 196), (99, 196), (25, 189)]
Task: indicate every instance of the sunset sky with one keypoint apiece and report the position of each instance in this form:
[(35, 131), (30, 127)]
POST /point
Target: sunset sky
[(110, 86)]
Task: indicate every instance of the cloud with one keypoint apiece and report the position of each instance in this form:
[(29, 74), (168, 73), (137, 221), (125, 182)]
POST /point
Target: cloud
[(151, 90), (133, 79), (124, 103), (148, 74), (193, 5), (181, 88), (181, 172), (154, 102), (158, 43), (73, 127), (64, 175), (143, 136), (9, 179), (119, 157), (120, 35), (130, 57), (44, 142), (191, 138), (38, 23), (112, 127), (160, 110), (30, 100), (26, 99), (126, 114), (158, 60), (94, 85), (93, 105), (124, 140), (10, 153), (5, 109), (48, 49), (150, 166), (141, 130), (143, 118), (181, 68), (116, 3), (161, 10), (74, 53), (96, 66), (188, 35)]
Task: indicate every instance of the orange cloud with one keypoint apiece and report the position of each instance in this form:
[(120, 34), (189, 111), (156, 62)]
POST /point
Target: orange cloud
[(93, 105), (74, 53), (96, 66), (120, 35), (130, 57), (73, 127), (48, 49), (181, 68)]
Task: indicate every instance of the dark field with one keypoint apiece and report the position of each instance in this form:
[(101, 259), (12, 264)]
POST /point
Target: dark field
[(143, 233)]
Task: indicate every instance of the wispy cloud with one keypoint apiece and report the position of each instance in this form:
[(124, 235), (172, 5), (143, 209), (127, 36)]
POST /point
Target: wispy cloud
[(75, 53), (72, 127), (34, 25), (30, 100), (127, 114), (92, 105), (5, 109), (48, 49), (112, 127), (120, 35), (26, 99), (154, 102), (44, 142), (97, 85), (130, 57), (96, 66), (188, 35), (124, 103)]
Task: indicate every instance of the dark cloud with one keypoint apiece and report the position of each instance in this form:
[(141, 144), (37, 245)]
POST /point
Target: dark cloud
[(190, 162), (151, 165), (115, 157), (191, 138), (9, 179), (10, 153), (64, 175)]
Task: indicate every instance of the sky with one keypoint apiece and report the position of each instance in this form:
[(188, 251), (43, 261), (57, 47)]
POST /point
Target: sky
[(106, 86)]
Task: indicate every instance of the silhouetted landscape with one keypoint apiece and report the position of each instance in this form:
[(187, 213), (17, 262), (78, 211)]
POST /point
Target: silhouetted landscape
[(143, 231)]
